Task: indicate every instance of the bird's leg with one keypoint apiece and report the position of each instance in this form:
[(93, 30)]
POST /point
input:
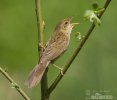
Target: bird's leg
[(41, 45), (61, 69)]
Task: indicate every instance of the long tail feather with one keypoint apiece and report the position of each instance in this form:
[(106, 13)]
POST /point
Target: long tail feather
[(36, 75)]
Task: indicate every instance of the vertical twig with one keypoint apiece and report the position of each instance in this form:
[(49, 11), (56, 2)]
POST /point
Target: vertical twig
[(40, 26), (81, 44), (14, 84)]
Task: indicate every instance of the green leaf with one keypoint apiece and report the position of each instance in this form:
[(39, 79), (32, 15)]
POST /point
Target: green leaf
[(99, 10), (92, 17), (95, 5)]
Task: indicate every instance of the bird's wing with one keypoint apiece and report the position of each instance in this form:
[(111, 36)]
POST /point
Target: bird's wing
[(53, 49)]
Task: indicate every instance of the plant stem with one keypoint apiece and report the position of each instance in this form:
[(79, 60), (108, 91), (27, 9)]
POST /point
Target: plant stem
[(81, 44), (40, 26), (44, 87), (14, 84)]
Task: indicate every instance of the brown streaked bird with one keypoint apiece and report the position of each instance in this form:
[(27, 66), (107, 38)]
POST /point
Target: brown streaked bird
[(57, 44)]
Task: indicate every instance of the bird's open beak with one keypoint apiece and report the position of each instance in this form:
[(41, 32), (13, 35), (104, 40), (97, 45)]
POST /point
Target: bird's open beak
[(73, 24)]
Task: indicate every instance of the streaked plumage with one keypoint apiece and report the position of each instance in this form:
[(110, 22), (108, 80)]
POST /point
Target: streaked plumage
[(57, 44)]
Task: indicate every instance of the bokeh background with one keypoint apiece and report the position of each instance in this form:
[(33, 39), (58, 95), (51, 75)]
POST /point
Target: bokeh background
[(94, 69)]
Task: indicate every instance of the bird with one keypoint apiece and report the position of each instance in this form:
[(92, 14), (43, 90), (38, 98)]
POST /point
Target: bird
[(55, 47)]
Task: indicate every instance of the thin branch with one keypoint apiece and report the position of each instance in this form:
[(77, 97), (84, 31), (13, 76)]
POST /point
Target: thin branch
[(40, 26), (80, 46), (44, 87), (14, 84)]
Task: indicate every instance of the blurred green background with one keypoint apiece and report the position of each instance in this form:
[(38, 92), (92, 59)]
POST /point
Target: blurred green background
[(95, 67)]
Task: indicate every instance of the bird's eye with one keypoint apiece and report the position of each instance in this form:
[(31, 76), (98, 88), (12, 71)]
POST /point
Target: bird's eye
[(66, 23)]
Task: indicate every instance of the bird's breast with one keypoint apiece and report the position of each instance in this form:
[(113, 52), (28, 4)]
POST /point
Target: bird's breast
[(62, 40)]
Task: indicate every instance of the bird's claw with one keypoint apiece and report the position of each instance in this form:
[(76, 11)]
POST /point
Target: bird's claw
[(61, 71), (41, 45)]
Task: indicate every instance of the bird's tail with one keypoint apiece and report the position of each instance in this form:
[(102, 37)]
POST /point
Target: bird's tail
[(36, 75)]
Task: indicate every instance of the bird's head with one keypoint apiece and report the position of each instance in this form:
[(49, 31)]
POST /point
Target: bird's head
[(65, 25)]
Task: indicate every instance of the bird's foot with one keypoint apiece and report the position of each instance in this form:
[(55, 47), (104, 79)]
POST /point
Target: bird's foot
[(61, 69), (42, 46)]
